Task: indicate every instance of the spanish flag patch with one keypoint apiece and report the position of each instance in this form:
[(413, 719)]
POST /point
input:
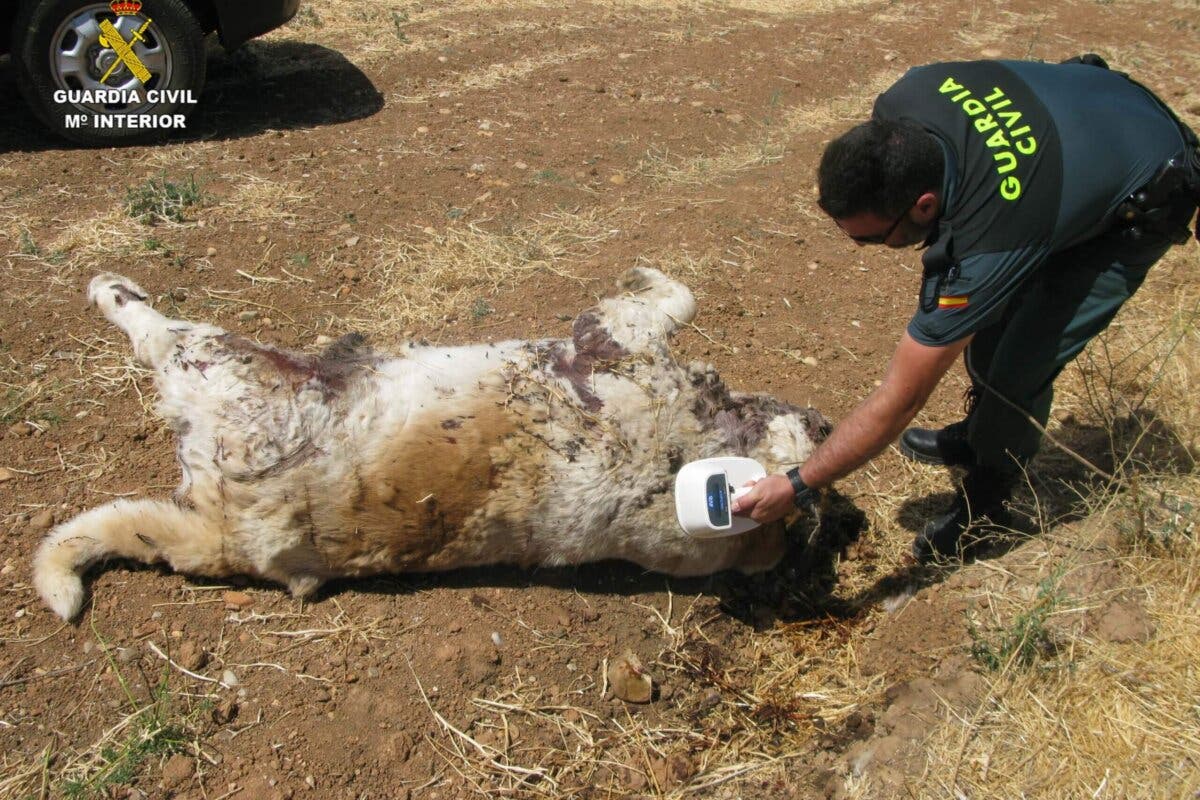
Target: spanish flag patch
[(954, 301)]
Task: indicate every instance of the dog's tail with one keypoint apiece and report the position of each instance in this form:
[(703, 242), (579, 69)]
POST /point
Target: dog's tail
[(146, 530)]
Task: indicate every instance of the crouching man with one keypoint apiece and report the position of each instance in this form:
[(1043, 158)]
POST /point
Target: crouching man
[(1041, 194)]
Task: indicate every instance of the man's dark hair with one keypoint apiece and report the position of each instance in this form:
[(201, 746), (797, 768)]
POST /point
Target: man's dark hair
[(880, 167)]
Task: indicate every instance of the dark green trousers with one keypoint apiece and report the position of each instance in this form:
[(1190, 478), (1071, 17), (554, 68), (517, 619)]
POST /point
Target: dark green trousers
[(1055, 313)]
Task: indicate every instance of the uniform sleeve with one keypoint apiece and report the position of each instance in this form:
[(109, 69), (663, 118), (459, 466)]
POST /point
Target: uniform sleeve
[(971, 294)]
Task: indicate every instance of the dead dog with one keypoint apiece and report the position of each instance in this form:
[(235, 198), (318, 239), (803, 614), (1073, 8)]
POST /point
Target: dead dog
[(300, 468)]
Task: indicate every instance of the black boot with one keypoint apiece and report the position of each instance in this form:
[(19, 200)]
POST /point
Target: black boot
[(978, 507), (947, 446)]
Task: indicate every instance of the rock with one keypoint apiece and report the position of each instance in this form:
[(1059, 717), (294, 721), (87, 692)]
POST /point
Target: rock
[(148, 628), (352, 241), (520, 165), (210, 252), (229, 679), (1125, 621), (710, 698), (617, 179), (41, 521), (6, 475), (20, 429), (178, 770), (350, 274), (225, 712), (179, 295), (248, 316), (237, 601), (192, 656), (629, 680)]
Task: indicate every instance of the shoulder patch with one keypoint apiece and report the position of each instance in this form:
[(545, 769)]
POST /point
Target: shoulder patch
[(954, 301)]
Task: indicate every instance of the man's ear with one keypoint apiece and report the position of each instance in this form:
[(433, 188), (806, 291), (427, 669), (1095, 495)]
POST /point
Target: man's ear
[(927, 207)]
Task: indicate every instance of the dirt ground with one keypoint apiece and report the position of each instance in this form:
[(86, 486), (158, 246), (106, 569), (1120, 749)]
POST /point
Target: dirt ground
[(462, 172)]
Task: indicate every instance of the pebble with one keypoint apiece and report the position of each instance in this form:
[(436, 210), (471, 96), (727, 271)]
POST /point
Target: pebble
[(629, 680), (352, 241), (248, 316), (20, 429), (226, 711), (229, 678), (617, 180), (41, 521), (192, 656), (6, 475), (237, 601), (210, 252)]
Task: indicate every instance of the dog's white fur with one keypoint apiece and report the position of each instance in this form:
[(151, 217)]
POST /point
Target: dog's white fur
[(299, 469)]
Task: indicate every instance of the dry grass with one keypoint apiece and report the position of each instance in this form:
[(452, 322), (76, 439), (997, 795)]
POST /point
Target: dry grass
[(447, 272)]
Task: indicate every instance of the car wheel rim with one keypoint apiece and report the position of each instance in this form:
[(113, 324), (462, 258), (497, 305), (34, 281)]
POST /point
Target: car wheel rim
[(79, 60)]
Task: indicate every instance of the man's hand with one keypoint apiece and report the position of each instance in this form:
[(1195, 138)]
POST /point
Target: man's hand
[(769, 500)]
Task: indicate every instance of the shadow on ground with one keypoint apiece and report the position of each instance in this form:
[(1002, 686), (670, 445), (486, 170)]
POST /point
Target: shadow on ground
[(1060, 489), (263, 86)]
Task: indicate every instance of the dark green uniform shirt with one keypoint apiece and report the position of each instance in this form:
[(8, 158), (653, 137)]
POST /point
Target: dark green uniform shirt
[(1038, 156)]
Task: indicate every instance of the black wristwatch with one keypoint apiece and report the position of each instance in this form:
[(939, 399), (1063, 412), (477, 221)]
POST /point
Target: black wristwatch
[(805, 495)]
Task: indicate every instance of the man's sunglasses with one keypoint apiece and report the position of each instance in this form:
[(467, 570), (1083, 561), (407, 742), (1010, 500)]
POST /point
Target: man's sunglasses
[(881, 238)]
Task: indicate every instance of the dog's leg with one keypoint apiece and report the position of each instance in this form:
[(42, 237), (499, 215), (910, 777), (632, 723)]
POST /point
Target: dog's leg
[(146, 530), (127, 306), (649, 309)]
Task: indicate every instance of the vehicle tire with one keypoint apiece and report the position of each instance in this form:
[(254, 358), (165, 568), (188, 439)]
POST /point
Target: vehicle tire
[(58, 45)]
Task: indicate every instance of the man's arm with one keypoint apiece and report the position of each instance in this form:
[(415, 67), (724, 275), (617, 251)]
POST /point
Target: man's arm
[(912, 375)]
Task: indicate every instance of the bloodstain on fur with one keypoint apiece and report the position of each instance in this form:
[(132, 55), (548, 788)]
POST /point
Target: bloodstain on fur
[(595, 351), (332, 370), (744, 419)]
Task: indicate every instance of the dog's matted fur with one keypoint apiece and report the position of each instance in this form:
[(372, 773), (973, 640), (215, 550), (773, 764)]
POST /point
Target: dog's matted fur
[(299, 468)]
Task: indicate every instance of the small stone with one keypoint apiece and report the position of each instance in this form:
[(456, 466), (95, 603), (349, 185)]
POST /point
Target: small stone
[(261, 239), (617, 179), (520, 165), (809, 361), (353, 240), (350, 274), (21, 429), (210, 252), (237, 601), (148, 628), (225, 712), (422, 129), (41, 521), (629, 680), (229, 679), (179, 294), (192, 656), (322, 340), (6, 475), (178, 770)]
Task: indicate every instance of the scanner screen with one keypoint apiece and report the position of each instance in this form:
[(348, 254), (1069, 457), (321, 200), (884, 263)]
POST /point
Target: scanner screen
[(717, 491)]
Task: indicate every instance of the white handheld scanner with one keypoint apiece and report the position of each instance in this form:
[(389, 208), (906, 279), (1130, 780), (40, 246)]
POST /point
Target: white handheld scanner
[(704, 491)]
